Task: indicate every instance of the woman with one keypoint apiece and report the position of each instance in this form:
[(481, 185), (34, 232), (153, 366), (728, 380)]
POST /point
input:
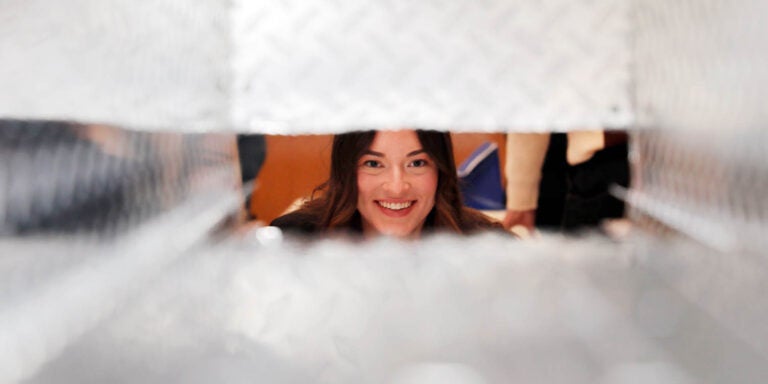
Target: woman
[(396, 183)]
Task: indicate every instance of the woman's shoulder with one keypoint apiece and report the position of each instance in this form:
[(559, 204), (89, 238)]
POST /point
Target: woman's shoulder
[(475, 220), (300, 221)]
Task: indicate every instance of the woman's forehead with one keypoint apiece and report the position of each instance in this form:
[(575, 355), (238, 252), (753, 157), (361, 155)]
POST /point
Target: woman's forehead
[(390, 143)]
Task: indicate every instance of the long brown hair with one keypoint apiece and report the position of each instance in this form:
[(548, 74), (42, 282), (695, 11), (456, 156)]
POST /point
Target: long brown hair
[(336, 207)]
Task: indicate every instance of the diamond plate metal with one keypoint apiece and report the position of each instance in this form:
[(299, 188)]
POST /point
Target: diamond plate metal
[(699, 158), (150, 64), (319, 66), (334, 65)]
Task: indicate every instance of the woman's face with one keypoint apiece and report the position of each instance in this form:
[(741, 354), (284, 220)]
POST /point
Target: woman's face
[(396, 182)]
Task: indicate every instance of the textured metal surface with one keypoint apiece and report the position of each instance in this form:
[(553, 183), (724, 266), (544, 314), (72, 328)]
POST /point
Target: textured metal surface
[(320, 66), (150, 305), (100, 181), (89, 212), (552, 311), (460, 64), (700, 162), (160, 64)]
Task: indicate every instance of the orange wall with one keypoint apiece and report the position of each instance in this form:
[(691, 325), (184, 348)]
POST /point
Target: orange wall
[(295, 165), (465, 143)]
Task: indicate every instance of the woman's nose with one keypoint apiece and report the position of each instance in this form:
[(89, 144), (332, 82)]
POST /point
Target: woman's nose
[(396, 182)]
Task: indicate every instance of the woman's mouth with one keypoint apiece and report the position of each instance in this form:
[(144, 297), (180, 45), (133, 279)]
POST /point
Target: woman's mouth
[(395, 206), (396, 209)]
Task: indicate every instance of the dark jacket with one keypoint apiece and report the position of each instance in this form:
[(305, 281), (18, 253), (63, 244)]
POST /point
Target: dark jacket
[(304, 222)]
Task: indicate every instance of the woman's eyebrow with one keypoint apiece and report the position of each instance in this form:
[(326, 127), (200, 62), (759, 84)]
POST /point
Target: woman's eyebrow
[(379, 154), (373, 153)]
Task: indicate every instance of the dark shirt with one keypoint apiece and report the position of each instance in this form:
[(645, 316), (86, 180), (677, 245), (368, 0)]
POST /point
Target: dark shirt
[(297, 222), (303, 222)]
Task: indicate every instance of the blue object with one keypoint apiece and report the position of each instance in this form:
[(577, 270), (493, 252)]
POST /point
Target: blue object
[(480, 179)]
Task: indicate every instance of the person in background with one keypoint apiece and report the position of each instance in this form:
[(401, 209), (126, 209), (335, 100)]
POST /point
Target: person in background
[(395, 183), (567, 191), (252, 151)]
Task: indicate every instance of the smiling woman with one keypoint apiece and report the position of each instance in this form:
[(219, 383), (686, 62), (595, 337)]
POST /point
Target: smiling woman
[(396, 183)]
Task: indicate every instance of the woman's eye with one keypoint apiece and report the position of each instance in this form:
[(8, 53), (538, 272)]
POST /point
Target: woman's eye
[(371, 164), (419, 163)]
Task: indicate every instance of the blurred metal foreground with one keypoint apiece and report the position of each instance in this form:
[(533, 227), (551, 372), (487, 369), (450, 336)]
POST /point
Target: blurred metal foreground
[(115, 268), (480, 310)]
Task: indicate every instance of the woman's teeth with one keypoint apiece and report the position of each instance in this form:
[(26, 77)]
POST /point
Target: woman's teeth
[(395, 206)]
